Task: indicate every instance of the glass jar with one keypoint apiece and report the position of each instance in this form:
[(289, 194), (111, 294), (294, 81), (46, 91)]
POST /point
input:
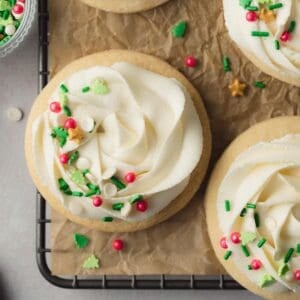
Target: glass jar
[(22, 31)]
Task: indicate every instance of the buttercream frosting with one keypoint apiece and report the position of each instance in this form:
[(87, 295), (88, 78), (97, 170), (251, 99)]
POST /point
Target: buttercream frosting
[(128, 120), (264, 183), (282, 57)]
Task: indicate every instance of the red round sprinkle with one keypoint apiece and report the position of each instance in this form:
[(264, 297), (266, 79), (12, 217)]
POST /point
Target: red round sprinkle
[(256, 264), (235, 237), (297, 274), (191, 61), (97, 201), (18, 9), (70, 123), (64, 158), (130, 177), (223, 243), (285, 36), (251, 16), (118, 245), (141, 206), (55, 107)]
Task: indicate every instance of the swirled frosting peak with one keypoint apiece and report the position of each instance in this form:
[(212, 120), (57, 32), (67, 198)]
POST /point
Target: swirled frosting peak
[(269, 31), (117, 142), (259, 213)]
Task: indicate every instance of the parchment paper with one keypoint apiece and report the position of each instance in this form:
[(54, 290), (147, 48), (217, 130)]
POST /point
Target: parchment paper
[(179, 245)]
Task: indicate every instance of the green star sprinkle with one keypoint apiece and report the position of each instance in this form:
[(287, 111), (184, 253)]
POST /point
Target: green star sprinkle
[(77, 177), (61, 134), (266, 280), (247, 237), (91, 262), (4, 5), (80, 240), (99, 87), (179, 29), (283, 269)]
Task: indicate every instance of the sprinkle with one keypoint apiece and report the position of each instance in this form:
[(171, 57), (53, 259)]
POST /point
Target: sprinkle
[(227, 254), (63, 99), (107, 219), (298, 248), (247, 237), (266, 280), (92, 186), (260, 33), (256, 219), (245, 3), (249, 267), (14, 114), (86, 171), (277, 45), (120, 185), (251, 205), (86, 89), (90, 193), (245, 250), (275, 6), (259, 84), (99, 87), (67, 111), (77, 194), (80, 240), (117, 206), (226, 64), (179, 29), (63, 184), (74, 156), (91, 262), (261, 242), (135, 198), (61, 134), (288, 255), (227, 205), (292, 26), (252, 8), (63, 88), (243, 212), (283, 269)]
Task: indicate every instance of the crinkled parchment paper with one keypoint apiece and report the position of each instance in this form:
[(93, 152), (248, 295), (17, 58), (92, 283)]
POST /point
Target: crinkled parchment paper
[(179, 245)]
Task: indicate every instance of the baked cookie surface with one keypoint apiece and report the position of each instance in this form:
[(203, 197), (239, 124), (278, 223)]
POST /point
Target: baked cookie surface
[(268, 33), (124, 6), (118, 141), (252, 206)]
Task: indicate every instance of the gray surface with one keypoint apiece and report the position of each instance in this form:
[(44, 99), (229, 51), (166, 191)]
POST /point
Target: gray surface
[(19, 276)]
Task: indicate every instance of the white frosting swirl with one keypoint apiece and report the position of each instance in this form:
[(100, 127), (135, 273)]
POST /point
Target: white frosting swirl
[(285, 61), (146, 124), (267, 175)]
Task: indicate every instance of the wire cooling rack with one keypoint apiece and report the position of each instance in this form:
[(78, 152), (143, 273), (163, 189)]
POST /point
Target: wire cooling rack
[(43, 251)]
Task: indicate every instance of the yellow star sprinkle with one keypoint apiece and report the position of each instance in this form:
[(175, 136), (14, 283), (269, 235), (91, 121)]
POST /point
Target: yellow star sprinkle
[(267, 15), (237, 88), (75, 135)]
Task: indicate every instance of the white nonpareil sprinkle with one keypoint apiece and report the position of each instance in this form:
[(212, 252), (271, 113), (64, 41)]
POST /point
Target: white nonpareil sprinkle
[(10, 29), (14, 114), (110, 190)]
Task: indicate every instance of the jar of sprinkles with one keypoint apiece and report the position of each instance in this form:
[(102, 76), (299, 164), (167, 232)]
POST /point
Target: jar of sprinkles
[(16, 17)]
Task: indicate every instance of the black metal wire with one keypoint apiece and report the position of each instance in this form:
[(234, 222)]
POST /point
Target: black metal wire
[(103, 282)]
